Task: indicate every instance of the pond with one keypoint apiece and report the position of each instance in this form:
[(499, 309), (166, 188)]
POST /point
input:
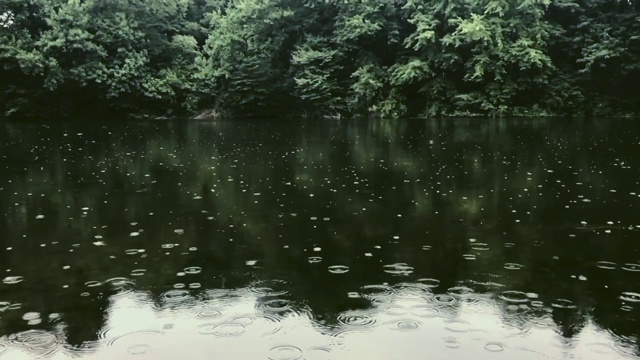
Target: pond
[(413, 239)]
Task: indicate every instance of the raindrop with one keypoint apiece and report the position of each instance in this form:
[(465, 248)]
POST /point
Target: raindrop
[(222, 330), (513, 296), (338, 269), (444, 299), (607, 265), (192, 270), (92, 283), (356, 319), (631, 267), (175, 296), (10, 280), (139, 349), (403, 324), (209, 313), (316, 353), (374, 291), (401, 269), (630, 296), (138, 272), (285, 352), (494, 347), (430, 283), (563, 304), (460, 291), (42, 342), (458, 326), (513, 266), (270, 287), (425, 311), (451, 343)]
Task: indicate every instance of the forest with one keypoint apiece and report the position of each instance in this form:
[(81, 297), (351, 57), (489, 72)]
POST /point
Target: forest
[(319, 58)]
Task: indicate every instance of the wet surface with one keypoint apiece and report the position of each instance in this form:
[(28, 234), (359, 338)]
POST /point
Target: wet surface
[(419, 239)]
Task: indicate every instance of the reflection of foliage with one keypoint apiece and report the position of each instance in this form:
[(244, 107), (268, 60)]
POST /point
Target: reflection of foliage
[(271, 193)]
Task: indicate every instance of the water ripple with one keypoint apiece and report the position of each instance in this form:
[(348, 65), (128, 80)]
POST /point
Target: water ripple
[(285, 352)]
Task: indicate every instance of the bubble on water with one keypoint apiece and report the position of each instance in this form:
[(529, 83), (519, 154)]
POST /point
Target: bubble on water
[(399, 269), (179, 231), (513, 266), (167, 246), (284, 352), (494, 347), (195, 285), (314, 259), (630, 296), (192, 270), (134, 234), (563, 304), (338, 269), (356, 319), (513, 296), (469, 257), (222, 330), (607, 265), (11, 280), (631, 267)]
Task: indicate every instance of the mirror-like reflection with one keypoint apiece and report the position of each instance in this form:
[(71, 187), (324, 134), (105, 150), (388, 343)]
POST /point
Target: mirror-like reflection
[(320, 240)]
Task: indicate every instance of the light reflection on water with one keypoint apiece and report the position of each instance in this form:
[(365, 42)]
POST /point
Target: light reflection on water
[(373, 240)]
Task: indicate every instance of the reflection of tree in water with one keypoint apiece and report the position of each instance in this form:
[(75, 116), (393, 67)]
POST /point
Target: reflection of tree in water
[(409, 192)]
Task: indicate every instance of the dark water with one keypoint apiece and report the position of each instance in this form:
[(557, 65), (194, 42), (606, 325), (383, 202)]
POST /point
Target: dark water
[(275, 240)]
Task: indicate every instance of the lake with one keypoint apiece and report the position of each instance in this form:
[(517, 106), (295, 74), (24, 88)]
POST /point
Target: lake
[(413, 239)]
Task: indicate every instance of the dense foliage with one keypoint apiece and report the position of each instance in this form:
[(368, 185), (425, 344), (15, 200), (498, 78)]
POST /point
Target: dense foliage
[(388, 58)]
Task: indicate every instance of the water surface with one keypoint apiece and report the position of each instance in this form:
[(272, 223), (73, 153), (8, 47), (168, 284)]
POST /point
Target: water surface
[(281, 240)]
